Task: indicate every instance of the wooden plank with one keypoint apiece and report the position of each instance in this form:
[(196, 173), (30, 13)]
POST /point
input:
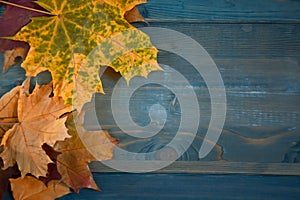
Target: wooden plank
[(245, 41), (189, 186), (236, 144), (12, 78), (222, 11), (211, 167), (183, 186), (261, 106)]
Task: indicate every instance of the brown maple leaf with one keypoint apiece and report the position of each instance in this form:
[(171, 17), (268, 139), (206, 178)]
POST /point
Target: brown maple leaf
[(30, 188), (8, 110), (83, 147), (134, 15), (39, 122), (11, 57), (53, 173)]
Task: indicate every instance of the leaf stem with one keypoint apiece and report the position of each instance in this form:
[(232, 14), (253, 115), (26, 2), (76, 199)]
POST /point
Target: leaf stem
[(24, 7)]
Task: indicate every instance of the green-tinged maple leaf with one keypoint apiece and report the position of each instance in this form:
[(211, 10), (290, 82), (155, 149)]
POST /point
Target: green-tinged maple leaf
[(124, 5), (79, 38), (14, 18), (38, 122)]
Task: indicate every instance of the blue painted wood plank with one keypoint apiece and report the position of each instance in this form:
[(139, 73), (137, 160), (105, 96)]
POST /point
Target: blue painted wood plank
[(184, 186), (223, 10), (15, 76)]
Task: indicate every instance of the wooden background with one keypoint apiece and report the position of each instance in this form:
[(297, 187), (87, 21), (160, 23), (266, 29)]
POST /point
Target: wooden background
[(256, 47)]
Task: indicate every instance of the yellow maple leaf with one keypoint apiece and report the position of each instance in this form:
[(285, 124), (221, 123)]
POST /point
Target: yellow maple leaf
[(78, 38)]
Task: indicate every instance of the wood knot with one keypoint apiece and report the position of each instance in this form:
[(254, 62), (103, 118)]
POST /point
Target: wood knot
[(167, 153)]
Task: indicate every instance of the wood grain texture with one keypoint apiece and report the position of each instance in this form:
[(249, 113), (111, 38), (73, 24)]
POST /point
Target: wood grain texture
[(185, 186), (212, 167), (261, 76), (262, 86), (256, 47), (223, 10), (190, 186)]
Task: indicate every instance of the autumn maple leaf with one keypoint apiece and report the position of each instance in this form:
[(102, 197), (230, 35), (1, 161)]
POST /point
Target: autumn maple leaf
[(53, 173), (39, 122), (63, 44), (17, 14), (10, 57), (76, 152), (8, 116), (72, 164), (30, 188), (8, 110), (134, 15)]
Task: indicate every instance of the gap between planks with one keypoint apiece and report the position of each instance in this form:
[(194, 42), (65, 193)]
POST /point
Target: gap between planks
[(197, 21), (211, 167)]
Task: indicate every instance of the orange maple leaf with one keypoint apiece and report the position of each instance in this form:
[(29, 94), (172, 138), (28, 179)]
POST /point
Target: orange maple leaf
[(30, 188), (39, 122)]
